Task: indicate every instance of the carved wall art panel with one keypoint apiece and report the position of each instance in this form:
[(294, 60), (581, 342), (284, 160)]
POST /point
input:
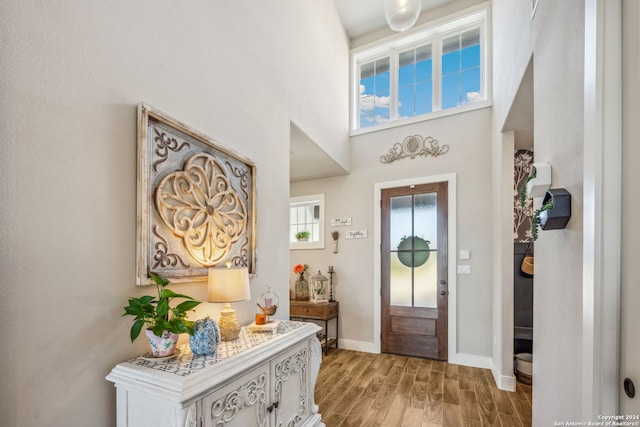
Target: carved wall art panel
[(196, 202)]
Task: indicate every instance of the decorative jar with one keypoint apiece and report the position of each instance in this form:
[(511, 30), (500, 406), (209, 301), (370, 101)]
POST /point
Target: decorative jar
[(205, 338)]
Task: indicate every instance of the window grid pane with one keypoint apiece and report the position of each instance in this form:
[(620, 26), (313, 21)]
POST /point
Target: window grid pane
[(414, 73), (461, 69), (303, 218), (374, 92)]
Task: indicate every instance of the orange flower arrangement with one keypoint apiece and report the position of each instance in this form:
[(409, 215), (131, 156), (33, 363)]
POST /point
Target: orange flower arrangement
[(302, 287)]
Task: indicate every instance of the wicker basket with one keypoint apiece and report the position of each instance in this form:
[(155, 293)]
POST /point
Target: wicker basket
[(523, 378), (526, 268), (524, 367)]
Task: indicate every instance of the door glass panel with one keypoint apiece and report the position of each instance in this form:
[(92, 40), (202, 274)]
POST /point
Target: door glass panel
[(400, 219), (425, 278), (413, 259), (400, 283), (413, 286), (426, 218)]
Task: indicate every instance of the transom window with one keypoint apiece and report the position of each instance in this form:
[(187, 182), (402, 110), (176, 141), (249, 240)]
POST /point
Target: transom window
[(441, 68)]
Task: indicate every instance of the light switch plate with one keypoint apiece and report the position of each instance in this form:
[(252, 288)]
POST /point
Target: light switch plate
[(465, 254), (464, 269)]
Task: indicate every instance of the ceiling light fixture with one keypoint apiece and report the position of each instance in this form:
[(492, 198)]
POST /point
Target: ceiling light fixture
[(402, 14)]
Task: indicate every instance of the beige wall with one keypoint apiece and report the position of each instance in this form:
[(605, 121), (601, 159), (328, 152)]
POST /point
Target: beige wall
[(558, 130), (555, 38), (72, 75), (469, 137)]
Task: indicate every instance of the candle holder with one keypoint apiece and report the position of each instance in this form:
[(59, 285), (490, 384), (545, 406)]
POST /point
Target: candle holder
[(331, 273)]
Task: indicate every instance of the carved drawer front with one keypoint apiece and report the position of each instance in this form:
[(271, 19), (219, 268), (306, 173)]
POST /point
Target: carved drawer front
[(241, 403)]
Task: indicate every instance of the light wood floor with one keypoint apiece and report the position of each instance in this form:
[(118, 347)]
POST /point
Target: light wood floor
[(365, 389)]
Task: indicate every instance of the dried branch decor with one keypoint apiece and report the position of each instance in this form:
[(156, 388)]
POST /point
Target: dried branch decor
[(196, 202), (522, 207), (413, 146)]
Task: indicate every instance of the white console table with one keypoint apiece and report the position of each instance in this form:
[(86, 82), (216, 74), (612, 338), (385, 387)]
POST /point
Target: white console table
[(261, 379)]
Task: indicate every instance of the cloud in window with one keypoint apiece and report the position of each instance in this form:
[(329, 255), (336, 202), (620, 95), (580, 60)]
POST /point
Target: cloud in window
[(376, 119), (368, 102), (473, 96)]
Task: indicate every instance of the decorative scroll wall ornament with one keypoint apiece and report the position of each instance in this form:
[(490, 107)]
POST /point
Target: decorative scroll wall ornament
[(196, 202), (413, 146)]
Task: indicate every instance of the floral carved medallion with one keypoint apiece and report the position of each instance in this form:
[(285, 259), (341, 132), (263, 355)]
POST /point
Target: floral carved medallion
[(196, 202), (199, 205)]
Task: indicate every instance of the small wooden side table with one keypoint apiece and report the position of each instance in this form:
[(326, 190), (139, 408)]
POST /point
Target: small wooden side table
[(305, 310)]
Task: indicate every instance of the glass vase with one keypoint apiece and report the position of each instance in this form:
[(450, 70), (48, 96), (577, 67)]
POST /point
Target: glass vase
[(302, 289)]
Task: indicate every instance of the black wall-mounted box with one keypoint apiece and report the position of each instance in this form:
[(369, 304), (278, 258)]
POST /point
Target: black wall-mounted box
[(558, 216)]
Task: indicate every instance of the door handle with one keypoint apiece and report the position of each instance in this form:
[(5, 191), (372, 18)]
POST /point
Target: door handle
[(629, 387), (443, 293)]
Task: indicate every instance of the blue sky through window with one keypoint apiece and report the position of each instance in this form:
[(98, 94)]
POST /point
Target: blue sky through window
[(415, 82), (374, 93), (461, 69), (441, 73)]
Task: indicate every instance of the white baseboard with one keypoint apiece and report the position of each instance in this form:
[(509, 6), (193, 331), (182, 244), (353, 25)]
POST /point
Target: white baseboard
[(472, 360), (354, 345), (504, 382)]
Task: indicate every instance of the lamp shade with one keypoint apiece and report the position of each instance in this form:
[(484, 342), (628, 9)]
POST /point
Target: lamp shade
[(402, 14), (228, 285)]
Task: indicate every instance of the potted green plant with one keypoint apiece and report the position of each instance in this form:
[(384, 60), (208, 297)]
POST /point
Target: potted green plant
[(303, 235), (164, 323), (535, 221), (522, 193)]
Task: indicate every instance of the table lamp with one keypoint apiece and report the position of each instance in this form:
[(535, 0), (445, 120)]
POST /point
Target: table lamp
[(228, 285)]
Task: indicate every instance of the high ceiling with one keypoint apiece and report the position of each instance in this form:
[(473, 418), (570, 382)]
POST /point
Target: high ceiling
[(359, 17), (363, 16)]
